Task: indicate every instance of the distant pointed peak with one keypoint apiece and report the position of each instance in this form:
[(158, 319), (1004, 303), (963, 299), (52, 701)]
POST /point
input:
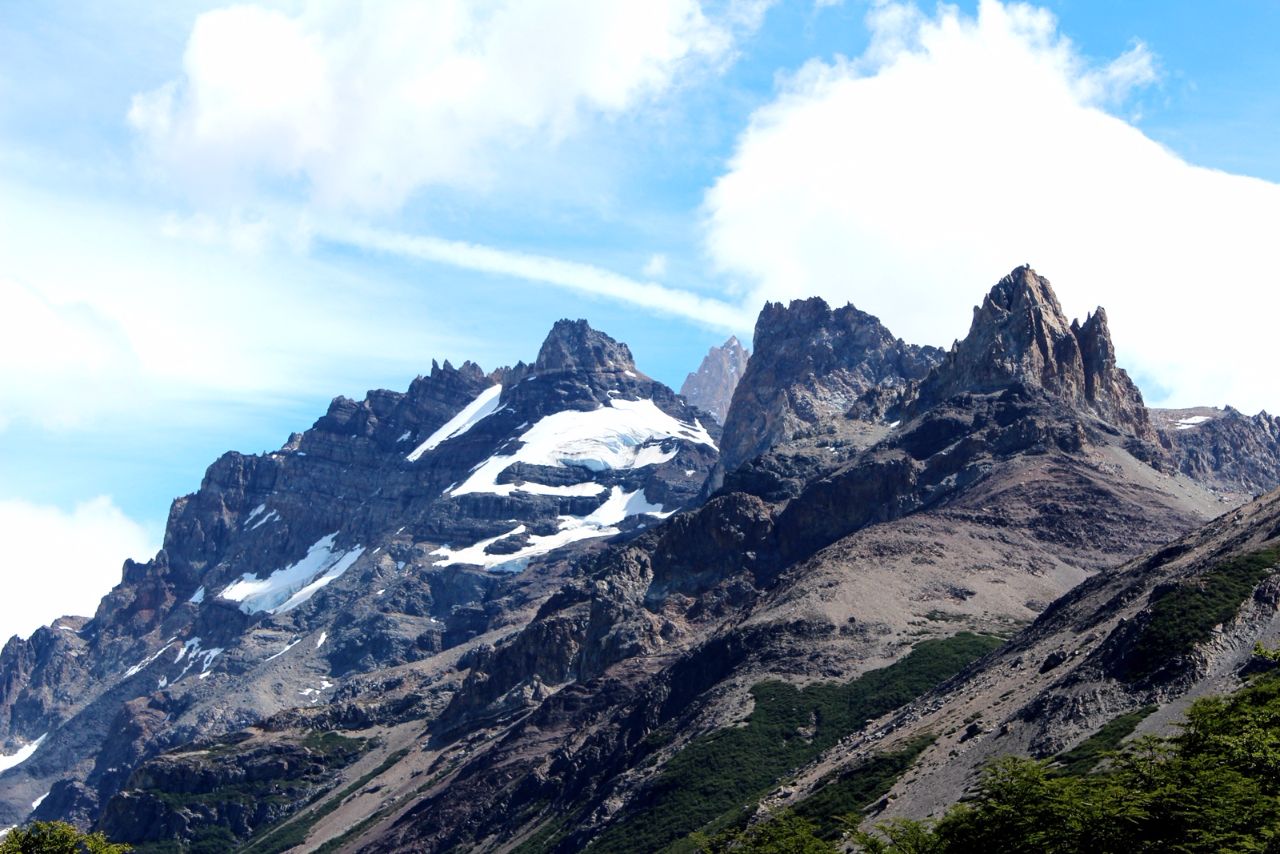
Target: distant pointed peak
[(574, 345)]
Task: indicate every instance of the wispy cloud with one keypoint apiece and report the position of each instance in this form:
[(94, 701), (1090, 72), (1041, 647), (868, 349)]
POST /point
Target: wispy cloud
[(571, 275)]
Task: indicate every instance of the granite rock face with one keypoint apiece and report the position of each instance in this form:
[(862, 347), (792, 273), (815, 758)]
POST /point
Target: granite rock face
[(812, 363), (1020, 335), (1227, 450), (711, 387)]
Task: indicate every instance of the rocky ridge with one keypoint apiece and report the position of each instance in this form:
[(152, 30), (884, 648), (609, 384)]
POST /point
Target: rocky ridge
[(397, 529)]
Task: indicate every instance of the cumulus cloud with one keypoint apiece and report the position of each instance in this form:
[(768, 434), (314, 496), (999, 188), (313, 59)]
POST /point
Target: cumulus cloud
[(58, 563), (364, 103), (910, 178)]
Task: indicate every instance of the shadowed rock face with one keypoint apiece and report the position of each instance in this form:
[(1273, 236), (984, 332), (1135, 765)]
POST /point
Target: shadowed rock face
[(711, 387), (1020, 335), (812, 363)]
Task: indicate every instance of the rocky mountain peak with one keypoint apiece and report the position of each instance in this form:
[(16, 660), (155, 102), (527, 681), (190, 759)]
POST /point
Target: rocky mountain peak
[(812, 362), (572, 345), (711, 386), (1020, 336)]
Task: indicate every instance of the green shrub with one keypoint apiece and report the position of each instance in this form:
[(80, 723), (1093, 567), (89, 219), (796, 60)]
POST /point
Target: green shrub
[(56, 837), (715, 776), (1085, 756), (1186, 614)]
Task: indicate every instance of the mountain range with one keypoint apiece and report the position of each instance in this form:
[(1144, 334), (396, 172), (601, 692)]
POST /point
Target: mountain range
[(559, 607)]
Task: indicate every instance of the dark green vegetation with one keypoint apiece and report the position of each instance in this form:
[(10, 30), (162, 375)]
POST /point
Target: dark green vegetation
[(1214, 788), (1185, 615), (1085, 756), (56, 837), (716, 776), (842, 798), (293, 832)]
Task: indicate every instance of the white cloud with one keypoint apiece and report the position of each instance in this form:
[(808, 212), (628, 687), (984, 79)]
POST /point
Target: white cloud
[(366, 102), (656, 266), (123, 314), (909, 179), (570, 275), (57, 563)]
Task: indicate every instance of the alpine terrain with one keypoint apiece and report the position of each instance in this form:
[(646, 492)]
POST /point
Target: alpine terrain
[(559, 607)]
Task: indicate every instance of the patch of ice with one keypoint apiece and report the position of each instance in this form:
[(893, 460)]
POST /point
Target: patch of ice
[(689, 472), (599, 523), (283, 651), (404, 437), (35, 805), (379, 592), (13, 760), (622, 435), (1192, 421), (894, 425), (286, 589), (471, 415), (630, 373), (253, 514), (197, 597), (323, 637)]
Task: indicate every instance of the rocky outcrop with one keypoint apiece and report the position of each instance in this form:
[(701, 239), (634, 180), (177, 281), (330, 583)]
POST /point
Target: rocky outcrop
[(711, 387), (1224, 449), (1020, 335), (812, 363)]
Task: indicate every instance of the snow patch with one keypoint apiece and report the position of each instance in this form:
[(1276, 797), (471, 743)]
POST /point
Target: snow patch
[(323, 637), (35, 805), (286, 589), (599, 523), (253, 514), (13, 760), (404, 437), (471, 415), (623, 435), (283, 651), (1192, 421), (264, 520), (142, 665), (197, 597)]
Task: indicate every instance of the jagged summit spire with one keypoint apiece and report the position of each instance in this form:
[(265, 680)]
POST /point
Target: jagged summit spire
[(572, 345), (711, 387), (1020, 335)]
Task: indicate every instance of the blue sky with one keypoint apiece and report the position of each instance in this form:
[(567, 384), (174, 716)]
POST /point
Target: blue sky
[(214, 219)]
